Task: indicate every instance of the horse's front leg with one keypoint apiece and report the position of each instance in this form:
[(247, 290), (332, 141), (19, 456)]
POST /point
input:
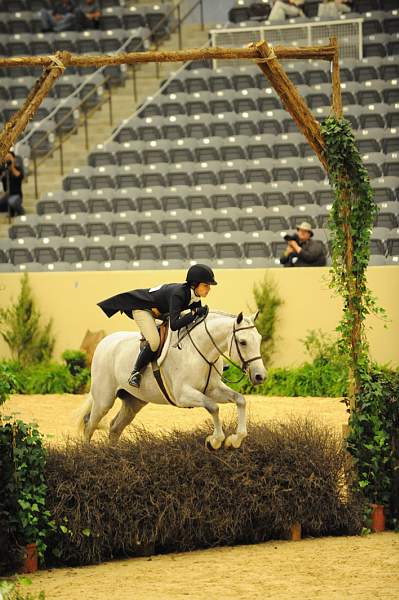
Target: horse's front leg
[(191, 398), (222, 393)]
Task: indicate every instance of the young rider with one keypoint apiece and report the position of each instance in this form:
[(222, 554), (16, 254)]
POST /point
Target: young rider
[(170, 299)]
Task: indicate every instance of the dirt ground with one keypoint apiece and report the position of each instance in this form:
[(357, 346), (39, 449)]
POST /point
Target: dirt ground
[(365, 568), (54, 413)]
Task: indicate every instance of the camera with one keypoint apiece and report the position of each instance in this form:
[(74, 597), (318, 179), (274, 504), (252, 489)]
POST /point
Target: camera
[(292, 238), (5, 165)]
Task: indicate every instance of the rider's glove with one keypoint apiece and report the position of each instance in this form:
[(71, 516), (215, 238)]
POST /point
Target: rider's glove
[(201, 311)]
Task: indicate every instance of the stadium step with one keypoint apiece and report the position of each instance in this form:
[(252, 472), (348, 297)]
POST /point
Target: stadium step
[(100, 129)]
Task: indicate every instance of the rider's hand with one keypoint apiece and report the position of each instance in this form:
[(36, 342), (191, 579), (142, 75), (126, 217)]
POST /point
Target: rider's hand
[(201, 311)]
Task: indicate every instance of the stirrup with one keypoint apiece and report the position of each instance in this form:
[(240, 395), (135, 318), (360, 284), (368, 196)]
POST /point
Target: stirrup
[(135, 379)]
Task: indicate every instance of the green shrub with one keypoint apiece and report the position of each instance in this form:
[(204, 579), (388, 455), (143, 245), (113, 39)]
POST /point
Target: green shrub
[(374, 438), (15, 376), (20, 327), (49, 378), (12, 590), (75, 360), (310, 379), (4, 391), (326, 375), (24, 518), (44, 378)]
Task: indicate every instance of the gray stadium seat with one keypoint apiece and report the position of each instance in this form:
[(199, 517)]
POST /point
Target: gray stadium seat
[(388, 215), (123, 200), (368, 140), (103, 177), (20, 255), (390, 166), (390, 141), (389, 69), (99, 201), (22, 230)]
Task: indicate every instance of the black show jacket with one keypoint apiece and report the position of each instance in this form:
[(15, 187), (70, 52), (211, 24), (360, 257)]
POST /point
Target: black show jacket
[(170, 299)]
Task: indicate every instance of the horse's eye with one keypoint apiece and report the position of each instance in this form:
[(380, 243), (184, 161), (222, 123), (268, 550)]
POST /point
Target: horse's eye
[(243, 342)]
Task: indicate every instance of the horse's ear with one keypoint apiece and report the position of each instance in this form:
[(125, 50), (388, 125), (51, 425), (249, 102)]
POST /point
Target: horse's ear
[(255, 316), (239, 318)]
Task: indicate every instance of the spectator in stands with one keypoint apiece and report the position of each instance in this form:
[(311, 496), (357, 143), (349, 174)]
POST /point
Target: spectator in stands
[(12, 174), (88, 15), (284, 9), (61, 17), (333, 8), (301, 250)]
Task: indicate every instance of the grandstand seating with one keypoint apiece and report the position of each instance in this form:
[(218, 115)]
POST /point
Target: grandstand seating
[(214, 169), (20, 28)]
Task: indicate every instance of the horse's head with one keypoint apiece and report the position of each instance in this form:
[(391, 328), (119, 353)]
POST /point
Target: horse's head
[(245, 348)]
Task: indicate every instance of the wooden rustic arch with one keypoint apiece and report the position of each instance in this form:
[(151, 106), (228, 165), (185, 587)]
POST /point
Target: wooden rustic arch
[(266, 56), (262, 53)]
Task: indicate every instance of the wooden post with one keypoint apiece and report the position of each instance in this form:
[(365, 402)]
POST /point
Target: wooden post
[(291, 99), (16, 125), (296, 532), (336, 81), (353, 300)]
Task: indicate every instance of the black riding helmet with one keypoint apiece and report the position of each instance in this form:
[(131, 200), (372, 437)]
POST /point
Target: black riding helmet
[(200, 274)]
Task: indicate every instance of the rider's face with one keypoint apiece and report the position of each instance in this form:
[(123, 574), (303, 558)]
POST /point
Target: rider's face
[(202, 289)]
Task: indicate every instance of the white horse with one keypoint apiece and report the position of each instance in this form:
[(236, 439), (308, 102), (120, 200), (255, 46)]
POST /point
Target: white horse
[(192, 371)]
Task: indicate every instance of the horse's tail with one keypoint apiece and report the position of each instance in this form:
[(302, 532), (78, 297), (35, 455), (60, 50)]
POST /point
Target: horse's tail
[(82, 414)]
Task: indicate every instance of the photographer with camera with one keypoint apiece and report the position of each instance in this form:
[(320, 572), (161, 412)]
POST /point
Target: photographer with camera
[(301, 250), (11, 173)]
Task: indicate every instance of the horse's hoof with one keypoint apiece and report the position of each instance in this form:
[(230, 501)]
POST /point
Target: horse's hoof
[(233, 441), (212, 443)]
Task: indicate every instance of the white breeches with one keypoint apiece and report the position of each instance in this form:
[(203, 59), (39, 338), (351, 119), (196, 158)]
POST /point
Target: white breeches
[(146, 323)]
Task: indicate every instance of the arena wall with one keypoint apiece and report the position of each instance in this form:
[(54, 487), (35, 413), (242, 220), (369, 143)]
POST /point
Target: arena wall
[(70, 300)]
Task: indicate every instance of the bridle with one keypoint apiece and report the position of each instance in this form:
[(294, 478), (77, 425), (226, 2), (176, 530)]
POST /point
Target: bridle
[(244, 363), (243, 367)]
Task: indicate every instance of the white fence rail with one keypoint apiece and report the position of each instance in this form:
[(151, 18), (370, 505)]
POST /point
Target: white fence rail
[(347, 31)]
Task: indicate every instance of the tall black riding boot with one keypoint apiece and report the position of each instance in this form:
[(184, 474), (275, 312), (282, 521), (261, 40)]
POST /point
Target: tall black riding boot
[(144, 358)]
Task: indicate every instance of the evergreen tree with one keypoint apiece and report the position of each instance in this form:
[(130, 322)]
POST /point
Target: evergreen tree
[(268, 301), (20, 327)]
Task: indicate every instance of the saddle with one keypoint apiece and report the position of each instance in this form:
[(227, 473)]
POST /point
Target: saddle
[(164, 337)]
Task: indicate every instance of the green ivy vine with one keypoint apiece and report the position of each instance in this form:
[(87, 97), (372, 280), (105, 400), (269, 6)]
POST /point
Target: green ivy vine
[(372, 429), (351, 221)]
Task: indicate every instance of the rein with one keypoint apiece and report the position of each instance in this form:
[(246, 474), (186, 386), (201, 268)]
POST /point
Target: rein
[(211, 364)]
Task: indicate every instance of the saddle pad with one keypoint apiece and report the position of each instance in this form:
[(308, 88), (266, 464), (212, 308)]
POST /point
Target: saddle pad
[(165, 347)]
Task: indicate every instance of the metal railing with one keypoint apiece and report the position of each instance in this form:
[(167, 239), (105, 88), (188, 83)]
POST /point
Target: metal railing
[(349, 34), (168, 24), (159, 91)]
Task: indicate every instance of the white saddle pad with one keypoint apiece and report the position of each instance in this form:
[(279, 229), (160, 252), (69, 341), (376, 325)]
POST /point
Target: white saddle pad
[(165, 347)]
